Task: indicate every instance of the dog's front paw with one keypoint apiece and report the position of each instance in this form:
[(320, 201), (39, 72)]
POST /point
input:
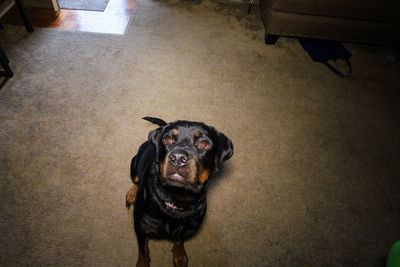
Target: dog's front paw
[(180, 258), (131, 196), (143, 262)]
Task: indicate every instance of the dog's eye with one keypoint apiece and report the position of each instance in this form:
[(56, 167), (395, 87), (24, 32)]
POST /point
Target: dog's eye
[(168, 140), (203, 145)]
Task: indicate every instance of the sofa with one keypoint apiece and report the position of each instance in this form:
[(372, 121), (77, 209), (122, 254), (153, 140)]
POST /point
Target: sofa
[(360, 21)]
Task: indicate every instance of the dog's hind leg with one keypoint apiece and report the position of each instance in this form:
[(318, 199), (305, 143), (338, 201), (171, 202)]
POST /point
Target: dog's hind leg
[(144, 254), (180, 258)]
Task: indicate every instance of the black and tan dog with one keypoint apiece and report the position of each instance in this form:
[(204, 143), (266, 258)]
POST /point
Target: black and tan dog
[(170, 174)]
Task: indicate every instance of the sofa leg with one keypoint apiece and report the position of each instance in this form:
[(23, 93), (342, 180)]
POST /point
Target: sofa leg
[(271, 39)]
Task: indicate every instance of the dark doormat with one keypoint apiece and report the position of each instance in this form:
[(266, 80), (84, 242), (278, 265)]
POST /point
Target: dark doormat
[(90, 5), (328, 53)]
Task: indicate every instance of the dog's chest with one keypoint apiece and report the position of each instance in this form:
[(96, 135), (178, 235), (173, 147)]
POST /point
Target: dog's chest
[(157, 227)]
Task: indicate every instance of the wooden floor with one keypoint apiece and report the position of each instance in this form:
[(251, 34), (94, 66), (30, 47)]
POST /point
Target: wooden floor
[(113, 20)]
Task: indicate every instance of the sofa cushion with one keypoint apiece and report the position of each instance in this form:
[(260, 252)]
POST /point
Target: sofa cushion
[(371, 10)]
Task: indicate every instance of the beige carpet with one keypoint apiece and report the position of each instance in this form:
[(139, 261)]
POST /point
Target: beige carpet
[(315, 176)]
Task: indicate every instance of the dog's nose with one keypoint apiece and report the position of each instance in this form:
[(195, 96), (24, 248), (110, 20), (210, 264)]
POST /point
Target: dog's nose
[(178, 158)]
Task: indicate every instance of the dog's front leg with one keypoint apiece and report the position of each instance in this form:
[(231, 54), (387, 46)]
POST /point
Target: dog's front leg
[(144, 254), (131, 196), (180, 258)]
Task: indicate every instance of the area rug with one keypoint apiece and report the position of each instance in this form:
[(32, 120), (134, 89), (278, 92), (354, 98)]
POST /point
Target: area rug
[(91, 5), (314, 180)]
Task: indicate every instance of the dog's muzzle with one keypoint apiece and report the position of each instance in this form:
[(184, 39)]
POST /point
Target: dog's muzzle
[(180, 169)]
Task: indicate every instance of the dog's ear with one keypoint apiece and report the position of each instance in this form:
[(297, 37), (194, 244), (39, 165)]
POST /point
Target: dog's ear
[(154, 139), (224, 148)]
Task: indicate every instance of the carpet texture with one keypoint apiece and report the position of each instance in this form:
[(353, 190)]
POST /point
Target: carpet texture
[(90, 5), (314, 180)]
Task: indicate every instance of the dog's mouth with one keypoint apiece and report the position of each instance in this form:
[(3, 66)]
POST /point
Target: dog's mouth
[(176, 182), (177, 178)]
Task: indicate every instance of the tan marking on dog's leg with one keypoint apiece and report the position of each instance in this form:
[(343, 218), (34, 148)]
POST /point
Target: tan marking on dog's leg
[(180, 258), (131, 196)]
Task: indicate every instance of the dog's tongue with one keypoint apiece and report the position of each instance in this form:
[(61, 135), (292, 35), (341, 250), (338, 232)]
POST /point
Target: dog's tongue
[(172, 206)]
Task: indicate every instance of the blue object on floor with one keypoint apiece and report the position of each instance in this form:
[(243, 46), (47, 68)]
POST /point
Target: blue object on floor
[(325, 50)]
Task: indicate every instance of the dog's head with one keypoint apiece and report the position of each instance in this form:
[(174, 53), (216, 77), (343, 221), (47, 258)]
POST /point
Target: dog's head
[(188, 153)]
